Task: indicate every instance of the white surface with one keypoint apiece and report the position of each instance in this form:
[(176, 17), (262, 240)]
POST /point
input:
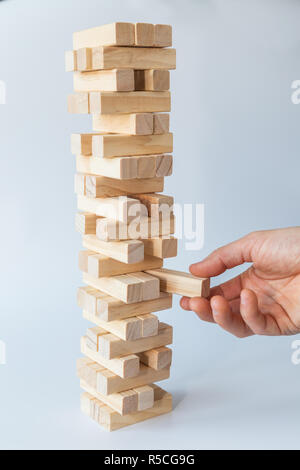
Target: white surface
[(236, 150)]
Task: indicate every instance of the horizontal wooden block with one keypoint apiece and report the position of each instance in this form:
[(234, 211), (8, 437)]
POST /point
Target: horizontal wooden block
[(157, 205), (122, 208), (152, 80), (106, 382), (124, 34), (161, 123), (111, 420), (124, 288), (125, 367), (116, 145), (115, 34), (124, 168), (127, 168), (142, 58), (128, 329), (111, 346), (175, 282), (134, 124), (139, 229), (107, 102), (130, 288), (85, 223), (123, 102), (108, 308), (101, 186), (158, 358), (104, 80), (101, 266), (125, 403), (130, 251), (161, 247)]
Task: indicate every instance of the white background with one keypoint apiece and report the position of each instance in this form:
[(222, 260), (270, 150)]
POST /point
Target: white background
[(236, 150)]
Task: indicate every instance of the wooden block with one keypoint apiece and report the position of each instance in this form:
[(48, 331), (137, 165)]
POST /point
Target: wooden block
[(142, 326), (150, 325), (157, 204), (128, 329), (150, 286), (140, 228), (79, 103), (79, 184), (152, 80), (92, 337), (130, 288), (84, 59), (146, 166), (116, 145), (102, 266), (110, 420), (88, 370), (123, 403), (131, 251), (88, 297), (108, 308), (106, 382), (161, 247), (111, 346), (134, 124), (144, 34), (81, 144), (122, 208), (164, 165), (125, 287), (104, 80), (145, 397), (175, 282), (85, 223), (159, 358), (125, 168), (83, 258), (162, 35), (115, 34), (161, 123), (125, 102), (71, 61), (126, 366), (101, 186), (141, 58)]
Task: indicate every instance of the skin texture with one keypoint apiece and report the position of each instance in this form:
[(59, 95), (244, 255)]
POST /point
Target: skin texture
[(263, 300)]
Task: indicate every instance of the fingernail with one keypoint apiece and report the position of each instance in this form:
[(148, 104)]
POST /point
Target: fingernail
[(243, 299), (215, 312), (185, 303)]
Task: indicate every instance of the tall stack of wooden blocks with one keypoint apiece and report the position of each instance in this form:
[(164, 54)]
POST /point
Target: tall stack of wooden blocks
[(122, 77)]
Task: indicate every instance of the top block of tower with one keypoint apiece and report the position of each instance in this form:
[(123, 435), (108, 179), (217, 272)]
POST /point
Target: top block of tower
[(124, 34)]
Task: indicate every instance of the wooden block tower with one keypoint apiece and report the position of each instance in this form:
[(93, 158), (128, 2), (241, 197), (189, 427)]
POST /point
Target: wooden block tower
[(122, 78)]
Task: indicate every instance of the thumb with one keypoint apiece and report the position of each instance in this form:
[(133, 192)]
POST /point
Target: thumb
[(226, 257)]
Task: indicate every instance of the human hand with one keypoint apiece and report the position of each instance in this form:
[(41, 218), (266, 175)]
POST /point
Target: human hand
[(265, 299)]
